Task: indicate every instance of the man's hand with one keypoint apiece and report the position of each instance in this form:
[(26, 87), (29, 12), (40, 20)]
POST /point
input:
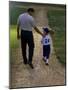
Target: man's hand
[(18, 36)]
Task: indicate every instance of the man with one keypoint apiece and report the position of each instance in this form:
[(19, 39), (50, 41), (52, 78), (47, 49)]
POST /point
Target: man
[(26, 23)]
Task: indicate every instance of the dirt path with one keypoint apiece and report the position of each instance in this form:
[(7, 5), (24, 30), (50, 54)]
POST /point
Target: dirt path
[(42, 75)]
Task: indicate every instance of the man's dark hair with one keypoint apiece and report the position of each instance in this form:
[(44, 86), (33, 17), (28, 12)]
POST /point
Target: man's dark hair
[(30, 10)]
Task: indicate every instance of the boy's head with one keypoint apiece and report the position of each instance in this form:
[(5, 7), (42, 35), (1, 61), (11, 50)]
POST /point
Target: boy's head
[(45, 30)]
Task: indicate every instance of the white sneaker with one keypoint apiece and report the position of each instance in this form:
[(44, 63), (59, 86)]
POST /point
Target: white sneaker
[(47, 62), (44, 59)]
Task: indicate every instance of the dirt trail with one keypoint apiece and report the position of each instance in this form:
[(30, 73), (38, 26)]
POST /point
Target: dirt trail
[(42, 75)]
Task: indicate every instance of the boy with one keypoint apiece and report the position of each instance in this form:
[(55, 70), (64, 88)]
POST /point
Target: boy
[(46, 41)]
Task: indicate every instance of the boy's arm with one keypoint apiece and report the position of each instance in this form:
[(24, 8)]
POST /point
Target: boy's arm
[(51, 32), (51, 44)]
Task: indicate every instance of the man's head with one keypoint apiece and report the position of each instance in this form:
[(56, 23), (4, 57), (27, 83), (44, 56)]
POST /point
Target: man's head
[(31, 11)]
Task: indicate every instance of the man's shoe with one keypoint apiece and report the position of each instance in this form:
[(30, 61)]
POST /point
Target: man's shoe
[(31, 65), (25, 62)]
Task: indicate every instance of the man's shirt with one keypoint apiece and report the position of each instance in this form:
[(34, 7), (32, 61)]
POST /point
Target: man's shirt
[(26, 22)]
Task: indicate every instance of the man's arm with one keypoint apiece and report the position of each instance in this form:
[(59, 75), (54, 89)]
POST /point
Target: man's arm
[(32, 21), (38, 31), (18, 35)]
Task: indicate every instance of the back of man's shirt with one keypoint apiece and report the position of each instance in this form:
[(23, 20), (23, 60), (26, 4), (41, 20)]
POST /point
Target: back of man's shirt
[(26, 22)]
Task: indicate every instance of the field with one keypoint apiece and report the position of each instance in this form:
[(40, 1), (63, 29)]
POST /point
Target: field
[(14, 43), (56, 20), (22, 75)]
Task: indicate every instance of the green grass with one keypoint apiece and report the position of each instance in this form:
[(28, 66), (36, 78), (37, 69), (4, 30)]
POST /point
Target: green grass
[(57, 22), (14, 43)]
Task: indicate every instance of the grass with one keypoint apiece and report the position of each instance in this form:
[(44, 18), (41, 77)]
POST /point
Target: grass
[(57, 22), (14, 43)]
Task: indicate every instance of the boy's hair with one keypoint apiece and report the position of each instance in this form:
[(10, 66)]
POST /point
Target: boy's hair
[(30, 10), (46, 30)]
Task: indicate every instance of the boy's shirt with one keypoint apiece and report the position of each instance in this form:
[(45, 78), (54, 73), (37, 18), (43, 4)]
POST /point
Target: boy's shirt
[(46, 40)]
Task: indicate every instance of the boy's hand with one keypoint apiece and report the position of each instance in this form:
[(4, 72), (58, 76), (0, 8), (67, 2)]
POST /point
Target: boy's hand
[(43, 35)]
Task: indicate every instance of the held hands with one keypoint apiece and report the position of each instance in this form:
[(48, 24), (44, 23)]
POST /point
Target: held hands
[(43, 35)]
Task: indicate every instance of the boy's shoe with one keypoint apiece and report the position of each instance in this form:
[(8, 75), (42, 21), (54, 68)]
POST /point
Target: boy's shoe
[(44, 59), (47, 64)]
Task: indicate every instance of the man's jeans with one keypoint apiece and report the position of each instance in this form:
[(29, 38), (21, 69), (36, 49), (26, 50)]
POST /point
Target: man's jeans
[(27, 38)]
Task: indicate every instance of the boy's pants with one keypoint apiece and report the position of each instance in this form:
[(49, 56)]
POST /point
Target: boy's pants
[(46, 51), (27, 38)]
